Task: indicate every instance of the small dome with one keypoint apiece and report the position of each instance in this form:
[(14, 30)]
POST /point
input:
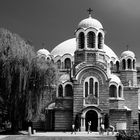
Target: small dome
[(114, 78), (64, 78), (128, 54), (43, 52), (90, 22)]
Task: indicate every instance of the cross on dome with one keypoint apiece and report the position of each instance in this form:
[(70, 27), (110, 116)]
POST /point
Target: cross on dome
[(127, 47), (89, 11)]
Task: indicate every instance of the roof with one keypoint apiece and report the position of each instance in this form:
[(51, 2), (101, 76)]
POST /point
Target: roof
[(114, 78), (43, 52), (90, 22), (128, 53)]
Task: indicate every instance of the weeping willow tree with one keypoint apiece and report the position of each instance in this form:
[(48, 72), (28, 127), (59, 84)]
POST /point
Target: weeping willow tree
[(22, 77), (43, 78), (16, 57)]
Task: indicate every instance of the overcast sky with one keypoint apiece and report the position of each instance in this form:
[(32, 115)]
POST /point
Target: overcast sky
[(54, 21)]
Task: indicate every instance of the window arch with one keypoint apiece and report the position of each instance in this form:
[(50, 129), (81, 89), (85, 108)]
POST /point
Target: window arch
[(91, 87), (120, 92), (67, 63), (81, 40), (59, 64), (91, 39), (100, 41), (129, 63), (123, 64), (113, 91), (60, 91), (68, 90)]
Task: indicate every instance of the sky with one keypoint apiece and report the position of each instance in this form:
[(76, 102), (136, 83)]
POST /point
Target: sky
[(50, 22)]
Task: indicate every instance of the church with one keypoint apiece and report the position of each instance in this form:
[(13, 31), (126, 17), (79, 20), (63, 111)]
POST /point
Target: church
[(93, 82)]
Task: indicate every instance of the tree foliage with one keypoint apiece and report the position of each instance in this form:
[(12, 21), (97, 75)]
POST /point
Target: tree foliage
[(22, 75)]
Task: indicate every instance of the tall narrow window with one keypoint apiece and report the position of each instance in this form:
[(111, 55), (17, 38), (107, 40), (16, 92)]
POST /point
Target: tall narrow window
[(111, 65), (100, 41), (117, 66), (120, 92), (133, 64), (67, 63), (91, 86), (58, 64), (86, 89), (81, 40), (113, 91), (96, 89), (60, 91), (123, 64), (91, 39), (68, 90), (129, 64)]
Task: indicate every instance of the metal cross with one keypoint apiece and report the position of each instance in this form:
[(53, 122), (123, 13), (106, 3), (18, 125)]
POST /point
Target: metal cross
[(127, 47), (89, 11)]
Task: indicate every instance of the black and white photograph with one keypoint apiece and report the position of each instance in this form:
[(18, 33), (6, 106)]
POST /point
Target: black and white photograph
[(69, 69)]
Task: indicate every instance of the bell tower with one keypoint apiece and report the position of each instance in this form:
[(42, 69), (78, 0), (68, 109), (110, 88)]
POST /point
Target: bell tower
[(89, 41), (128, 69)]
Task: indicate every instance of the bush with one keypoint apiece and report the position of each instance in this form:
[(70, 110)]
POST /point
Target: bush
[(128, 135)]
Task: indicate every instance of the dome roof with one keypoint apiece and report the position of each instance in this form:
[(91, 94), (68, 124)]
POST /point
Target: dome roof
[(90, 22), (69, 47), (43, 52), (114, 78), (66, 47), (128, 54)]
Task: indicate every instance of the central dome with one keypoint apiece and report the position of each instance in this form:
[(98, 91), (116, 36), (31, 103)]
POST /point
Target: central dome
[(90, 22), (69, 47)]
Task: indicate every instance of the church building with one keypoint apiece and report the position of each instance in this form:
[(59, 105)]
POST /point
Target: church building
[(93, 82)]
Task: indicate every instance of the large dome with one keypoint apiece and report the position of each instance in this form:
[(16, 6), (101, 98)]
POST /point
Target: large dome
[(66, 47), (69, 47), (90, 22)]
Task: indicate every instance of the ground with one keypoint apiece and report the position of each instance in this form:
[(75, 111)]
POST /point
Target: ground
[(60, 136)]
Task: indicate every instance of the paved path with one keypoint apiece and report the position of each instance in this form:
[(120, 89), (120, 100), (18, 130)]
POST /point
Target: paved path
[(61, 136)]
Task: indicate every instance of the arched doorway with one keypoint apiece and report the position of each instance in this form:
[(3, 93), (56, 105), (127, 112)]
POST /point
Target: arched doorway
[(92, 116)]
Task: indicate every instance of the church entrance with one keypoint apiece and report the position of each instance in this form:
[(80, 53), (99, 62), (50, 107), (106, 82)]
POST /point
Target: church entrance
[(92, 116)]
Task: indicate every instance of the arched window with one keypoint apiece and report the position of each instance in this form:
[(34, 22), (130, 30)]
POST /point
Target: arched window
[(100, 41), (68, 90), (113, 91), (123, 64), (86, 89), (120, 92), (91, 86), (60, 91), (134, 64), (117, 66), (111, 65), (58, 64), (81, 40), (129, 63), (67, 63), (96, 89), (91, 39)]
